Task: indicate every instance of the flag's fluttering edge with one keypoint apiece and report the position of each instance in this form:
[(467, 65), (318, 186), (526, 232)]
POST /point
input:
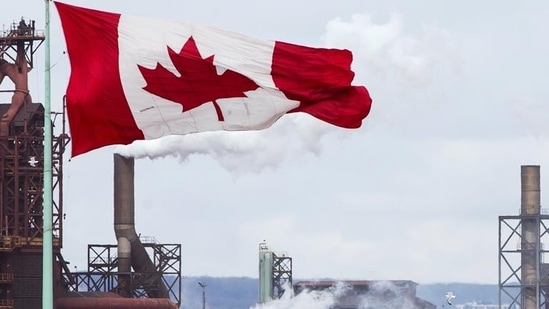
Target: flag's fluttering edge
[(136, 78)]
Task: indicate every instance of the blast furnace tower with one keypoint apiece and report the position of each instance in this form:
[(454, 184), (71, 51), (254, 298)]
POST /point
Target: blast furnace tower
[(22, 177)]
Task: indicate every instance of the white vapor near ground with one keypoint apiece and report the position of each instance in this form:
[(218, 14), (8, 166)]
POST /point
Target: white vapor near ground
[(306, 299), (326, 299)]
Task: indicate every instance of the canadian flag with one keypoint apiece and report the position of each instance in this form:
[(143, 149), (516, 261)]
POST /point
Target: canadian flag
[(135, 78)]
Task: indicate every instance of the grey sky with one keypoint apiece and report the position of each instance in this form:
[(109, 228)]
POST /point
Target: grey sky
[(459, 91)]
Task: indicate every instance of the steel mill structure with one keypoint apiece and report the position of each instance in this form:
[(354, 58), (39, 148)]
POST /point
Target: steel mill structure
[(275, 274), (523, 274), (21, 175), (129, 274), (275, 279)]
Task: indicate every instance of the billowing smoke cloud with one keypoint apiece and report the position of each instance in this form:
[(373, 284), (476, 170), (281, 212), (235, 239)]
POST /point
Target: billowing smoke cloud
[(409, 69), (306, 299), (392, 296), (381, 295), (245, 151), (381, 46), (386, 50)]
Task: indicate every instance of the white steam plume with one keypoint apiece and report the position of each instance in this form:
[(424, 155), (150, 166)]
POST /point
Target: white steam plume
[(248, 151), (388, 50), (386, 295), (406, 68), (381, 295), (306, 299)]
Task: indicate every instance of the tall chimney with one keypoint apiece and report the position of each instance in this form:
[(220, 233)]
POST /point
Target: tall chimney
[(530, 242), (124, 217), (131, 252)]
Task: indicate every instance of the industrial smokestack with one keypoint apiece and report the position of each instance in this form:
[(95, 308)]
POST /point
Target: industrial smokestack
[(131, 252), (530, 242), (124, 216)]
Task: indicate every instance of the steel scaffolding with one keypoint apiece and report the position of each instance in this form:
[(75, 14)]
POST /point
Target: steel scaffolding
[(512, 288), (102, 274), (282, 274)]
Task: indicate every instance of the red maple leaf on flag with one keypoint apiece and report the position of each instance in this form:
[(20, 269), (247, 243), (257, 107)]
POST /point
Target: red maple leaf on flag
[(198, 82)]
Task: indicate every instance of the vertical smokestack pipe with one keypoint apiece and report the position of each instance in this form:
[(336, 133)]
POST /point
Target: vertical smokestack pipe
[(124, 216), (124, 228), (530, 251)]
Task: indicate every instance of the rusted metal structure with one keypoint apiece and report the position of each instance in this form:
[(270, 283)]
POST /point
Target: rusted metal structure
[(523, 274), (21, 175), (18, 45)]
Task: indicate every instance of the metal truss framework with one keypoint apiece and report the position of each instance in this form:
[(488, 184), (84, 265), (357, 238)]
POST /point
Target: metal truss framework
[(282, 275), (511, 246), (102, 274), (22, 177), (21, 202), (15, 35), (21, 181)]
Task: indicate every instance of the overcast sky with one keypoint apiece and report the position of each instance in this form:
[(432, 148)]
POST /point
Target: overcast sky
[(460, 102)]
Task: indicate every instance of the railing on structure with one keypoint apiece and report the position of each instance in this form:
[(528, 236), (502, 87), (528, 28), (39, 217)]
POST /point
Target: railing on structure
[(147, 239), (108, 282), (542, 211), (6, 303), (512, 283), (6, 277), (21, 33)]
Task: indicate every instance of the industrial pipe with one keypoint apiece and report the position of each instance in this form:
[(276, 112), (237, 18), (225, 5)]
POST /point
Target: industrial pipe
[(530, 241), (131, 252)]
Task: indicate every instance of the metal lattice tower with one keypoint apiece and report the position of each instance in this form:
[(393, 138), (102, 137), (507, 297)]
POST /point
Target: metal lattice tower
[(523, 275), (102, 274), (282, 274)]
